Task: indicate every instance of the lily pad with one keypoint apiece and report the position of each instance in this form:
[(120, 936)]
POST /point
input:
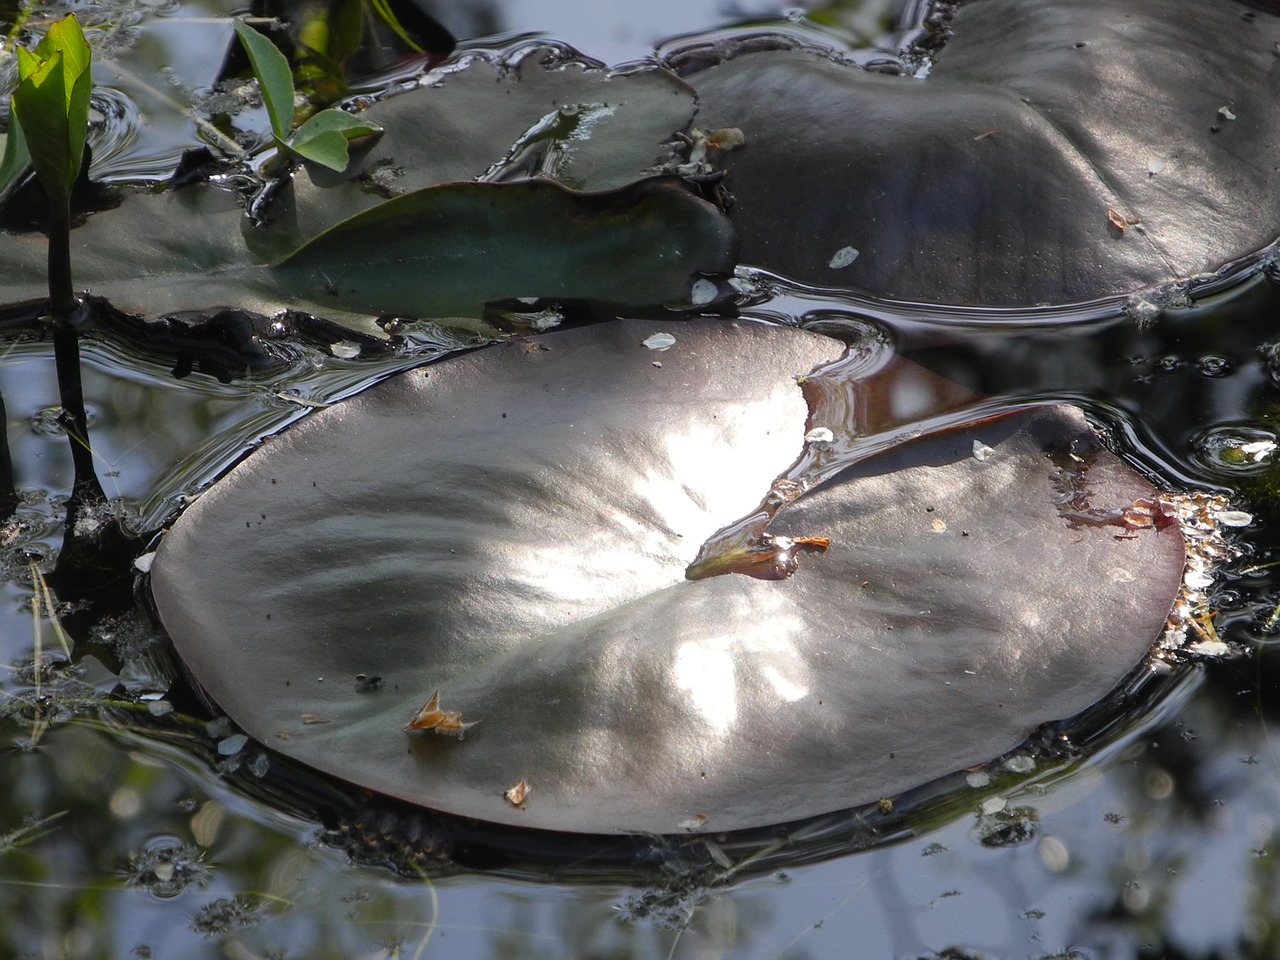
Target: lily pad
[(507, 533), (1056, 152), (528, 114), (441, 252)]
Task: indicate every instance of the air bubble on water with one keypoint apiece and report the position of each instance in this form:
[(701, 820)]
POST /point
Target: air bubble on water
[(345, 349), (232, 745), (1213, 366)]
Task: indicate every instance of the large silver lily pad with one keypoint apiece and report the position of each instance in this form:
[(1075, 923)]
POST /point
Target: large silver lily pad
[(511, 528)]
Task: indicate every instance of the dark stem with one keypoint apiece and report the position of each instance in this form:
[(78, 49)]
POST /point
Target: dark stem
[(62, 298), (94, 567), (73, 419)]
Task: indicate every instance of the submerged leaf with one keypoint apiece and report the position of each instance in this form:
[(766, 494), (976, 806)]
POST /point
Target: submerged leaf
[(443, 254), (448, 249), (524, 547)]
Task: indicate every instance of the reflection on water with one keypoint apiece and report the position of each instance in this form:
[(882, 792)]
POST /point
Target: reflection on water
[(150, 830)]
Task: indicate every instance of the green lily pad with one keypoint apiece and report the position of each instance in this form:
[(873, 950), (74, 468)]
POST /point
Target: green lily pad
[(511, 529)]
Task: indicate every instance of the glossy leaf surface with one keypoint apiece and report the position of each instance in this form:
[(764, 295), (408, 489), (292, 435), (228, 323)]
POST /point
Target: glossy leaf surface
[(506, 534), (1057, 151), (51, 103), (442, 255)]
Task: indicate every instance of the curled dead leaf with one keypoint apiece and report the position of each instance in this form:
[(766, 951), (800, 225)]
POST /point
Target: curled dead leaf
[(445, 722), (518, 794)]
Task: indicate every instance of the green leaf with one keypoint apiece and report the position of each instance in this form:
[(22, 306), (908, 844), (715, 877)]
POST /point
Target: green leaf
[(51, 104), (323, 139), (16, 163), (39, 106), (275, 77), (66, 37)]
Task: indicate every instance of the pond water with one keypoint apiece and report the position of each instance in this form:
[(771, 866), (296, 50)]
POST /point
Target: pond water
[(136, 823)]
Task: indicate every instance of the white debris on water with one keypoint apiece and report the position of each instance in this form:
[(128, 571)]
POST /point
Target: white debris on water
[(1019, 763), (819, 435), (345, 349), (143, 563), (1225, 112), (1189, 629), (1233, 518), (703, 292), (981, 451), (1155, 165), (658, 342), (993, 805), (842, 258)]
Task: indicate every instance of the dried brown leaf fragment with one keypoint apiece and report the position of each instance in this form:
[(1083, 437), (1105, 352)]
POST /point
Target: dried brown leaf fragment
[(445, 722)]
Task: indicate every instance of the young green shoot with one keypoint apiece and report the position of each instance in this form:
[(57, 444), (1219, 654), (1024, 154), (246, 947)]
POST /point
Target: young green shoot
[(323, 138), (51, 107)]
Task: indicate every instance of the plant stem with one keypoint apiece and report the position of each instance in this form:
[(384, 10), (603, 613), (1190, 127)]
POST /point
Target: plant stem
[(62, 298)]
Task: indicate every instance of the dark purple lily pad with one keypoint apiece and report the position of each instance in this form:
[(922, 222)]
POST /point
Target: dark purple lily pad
[(1057, 152), (512, 528)]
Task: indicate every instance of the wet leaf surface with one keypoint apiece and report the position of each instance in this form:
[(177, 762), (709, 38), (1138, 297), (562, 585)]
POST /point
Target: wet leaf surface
[(441, 252), (1055, 152), (501, 528)]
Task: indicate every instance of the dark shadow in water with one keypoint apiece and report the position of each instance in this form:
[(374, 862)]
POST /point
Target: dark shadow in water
[(94, 570)]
